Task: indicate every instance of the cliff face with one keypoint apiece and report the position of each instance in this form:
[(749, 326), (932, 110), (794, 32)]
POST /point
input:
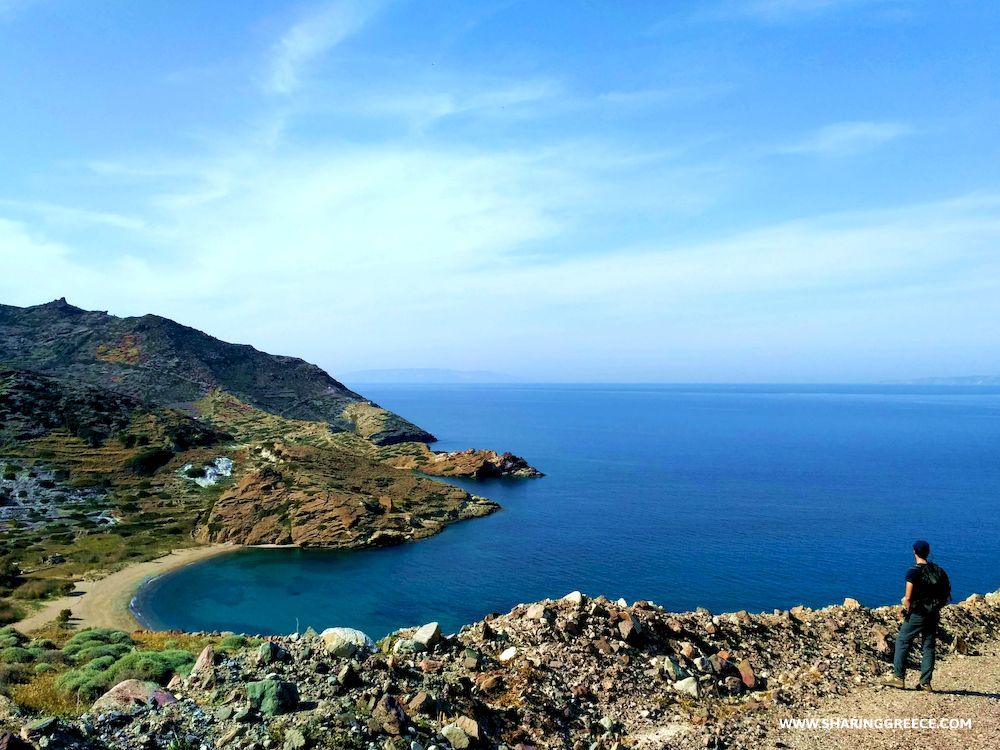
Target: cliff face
[(156, 360)]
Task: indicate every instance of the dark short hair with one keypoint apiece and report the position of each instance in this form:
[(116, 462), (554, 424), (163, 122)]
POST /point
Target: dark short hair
[(922, 548)]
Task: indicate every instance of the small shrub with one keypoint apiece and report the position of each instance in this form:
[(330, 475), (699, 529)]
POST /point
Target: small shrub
[(155, 666), (101, 650), (92, 638), (43, 588), (101, 674), (11, 674), (63, 617), (233, 643), (10, 636), (16, 655), (43, 667), (101, 663)]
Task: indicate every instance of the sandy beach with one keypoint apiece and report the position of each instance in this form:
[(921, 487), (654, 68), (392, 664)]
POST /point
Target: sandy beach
[(105, 602)]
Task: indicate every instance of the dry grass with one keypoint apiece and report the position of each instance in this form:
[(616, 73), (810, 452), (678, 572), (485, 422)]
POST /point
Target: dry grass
[(9, 612), (42, 697)]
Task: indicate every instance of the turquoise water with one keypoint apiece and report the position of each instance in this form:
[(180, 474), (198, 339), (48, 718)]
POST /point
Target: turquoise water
[(725, 497)]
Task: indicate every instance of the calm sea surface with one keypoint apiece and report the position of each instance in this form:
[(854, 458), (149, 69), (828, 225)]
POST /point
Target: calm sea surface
[(729, 497)]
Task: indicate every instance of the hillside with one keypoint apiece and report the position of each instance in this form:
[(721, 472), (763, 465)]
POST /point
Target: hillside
[(123, 438), (156, 360)]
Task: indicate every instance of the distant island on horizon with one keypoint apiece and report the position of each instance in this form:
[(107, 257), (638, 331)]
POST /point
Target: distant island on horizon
[(430, 376), (951, 380)]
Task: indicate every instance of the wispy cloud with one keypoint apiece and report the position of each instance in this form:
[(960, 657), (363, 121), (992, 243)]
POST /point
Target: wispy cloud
[(52, 213), (422, 104), (846, 138), (313, 36), (781, 11)]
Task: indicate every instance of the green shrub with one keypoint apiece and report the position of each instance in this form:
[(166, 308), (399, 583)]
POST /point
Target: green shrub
[(16, 655), (101, 674), (101, 650), (156, 666), (44, 667), (100, 664), (10, 636), (92, 638), (233, 643)]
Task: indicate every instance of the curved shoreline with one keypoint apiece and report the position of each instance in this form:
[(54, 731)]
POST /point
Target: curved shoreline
[(106, 601)]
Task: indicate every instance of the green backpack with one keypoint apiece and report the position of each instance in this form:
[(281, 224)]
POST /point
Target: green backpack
[(935, 588)]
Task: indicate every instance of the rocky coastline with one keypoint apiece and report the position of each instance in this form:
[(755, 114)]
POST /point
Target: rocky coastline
[(575, 672)]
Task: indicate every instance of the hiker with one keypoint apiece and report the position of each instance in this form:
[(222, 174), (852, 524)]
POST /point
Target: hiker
[(927, 591)]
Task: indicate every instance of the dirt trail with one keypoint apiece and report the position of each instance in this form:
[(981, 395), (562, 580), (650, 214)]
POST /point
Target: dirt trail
[(105, 602), (967, 688)]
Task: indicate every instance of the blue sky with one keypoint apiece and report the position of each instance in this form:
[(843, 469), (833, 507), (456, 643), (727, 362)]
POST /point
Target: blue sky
[(718, 191)]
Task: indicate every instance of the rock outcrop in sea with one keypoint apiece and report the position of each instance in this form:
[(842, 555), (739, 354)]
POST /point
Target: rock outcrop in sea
[(576, 672)]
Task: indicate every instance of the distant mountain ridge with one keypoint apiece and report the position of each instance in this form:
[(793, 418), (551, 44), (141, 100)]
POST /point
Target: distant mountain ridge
[(958, 380), (428, 375), (159, 361)]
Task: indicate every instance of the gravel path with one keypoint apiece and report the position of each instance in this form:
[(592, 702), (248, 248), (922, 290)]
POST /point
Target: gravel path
[(968, 688)]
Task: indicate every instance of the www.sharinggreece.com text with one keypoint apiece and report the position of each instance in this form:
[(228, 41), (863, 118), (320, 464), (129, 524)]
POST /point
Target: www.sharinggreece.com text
[(891, 723)]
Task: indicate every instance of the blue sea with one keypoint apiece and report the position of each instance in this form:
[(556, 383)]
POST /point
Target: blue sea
[(726, 497)]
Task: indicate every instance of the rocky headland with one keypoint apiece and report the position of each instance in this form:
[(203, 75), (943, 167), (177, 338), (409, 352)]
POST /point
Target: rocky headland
[(576, 672), (471, 463)]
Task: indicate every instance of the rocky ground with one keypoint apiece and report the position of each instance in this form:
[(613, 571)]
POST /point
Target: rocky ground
[(967, 687), (587, 674), (33, 498)]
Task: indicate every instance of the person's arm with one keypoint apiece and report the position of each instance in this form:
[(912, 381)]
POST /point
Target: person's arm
[(906, 597)]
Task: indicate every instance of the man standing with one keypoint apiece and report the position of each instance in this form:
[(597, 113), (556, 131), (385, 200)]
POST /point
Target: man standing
[(927, 591)]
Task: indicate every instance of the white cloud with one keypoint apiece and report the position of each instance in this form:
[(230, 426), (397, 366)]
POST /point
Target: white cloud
[(313, 36), (404, 257), (846, 138)]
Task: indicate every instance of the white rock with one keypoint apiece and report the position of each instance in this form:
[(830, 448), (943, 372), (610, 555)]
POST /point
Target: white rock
[(428, 635), (575, 598), (345, 642), (689, 686), (508, 654)]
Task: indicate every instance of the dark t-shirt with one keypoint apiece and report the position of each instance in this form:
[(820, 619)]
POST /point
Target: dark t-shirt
[(913, 576)]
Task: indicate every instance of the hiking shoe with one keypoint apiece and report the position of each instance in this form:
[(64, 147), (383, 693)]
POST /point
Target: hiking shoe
[(926, 687), (890, 680)]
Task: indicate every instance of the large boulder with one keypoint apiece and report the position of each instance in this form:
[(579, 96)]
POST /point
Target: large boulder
[(457, 738), (131, 693), (346, 642), (272, 697), (428, 635)]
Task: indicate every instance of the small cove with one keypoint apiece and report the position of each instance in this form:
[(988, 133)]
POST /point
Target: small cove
[(728, 497)]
